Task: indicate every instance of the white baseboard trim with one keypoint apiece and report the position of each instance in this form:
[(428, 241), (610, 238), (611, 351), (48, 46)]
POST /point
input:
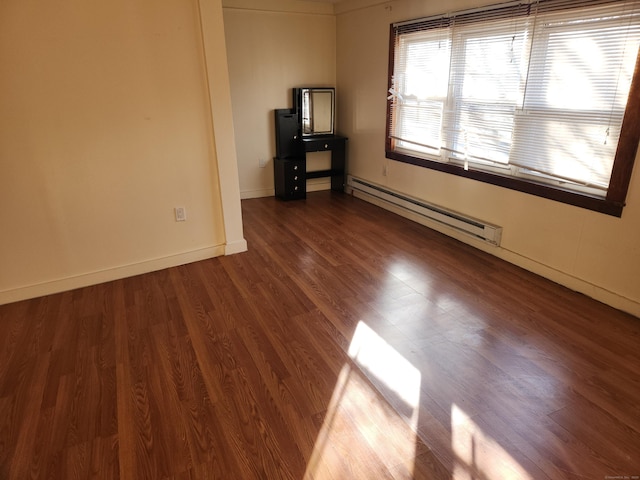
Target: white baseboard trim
[(264, 192), (598, 293), (577, 284), (109, 274), (313, 185), (238, 246)]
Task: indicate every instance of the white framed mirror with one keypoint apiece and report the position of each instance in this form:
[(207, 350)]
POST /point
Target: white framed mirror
[(317, 111)]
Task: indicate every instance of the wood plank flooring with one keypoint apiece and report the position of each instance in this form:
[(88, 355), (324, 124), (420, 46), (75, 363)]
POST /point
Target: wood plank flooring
[(347, 343)]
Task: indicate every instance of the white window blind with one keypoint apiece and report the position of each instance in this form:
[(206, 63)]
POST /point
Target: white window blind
[(489, 62), (422, 80), (582, 63), (535, 90)]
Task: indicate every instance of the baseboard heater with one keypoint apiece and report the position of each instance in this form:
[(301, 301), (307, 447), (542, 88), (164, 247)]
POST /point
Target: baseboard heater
[(442, 216)]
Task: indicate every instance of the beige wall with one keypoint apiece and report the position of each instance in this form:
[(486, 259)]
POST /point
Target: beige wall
[(105, 127), (589, 252), (273, 46)]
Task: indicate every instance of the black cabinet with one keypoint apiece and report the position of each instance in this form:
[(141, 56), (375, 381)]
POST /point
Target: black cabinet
[(288, 134), (290, 178), (290, 166)]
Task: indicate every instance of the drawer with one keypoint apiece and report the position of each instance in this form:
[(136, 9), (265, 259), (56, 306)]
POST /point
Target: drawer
[(294, 167), (290, 178), (320, 144)]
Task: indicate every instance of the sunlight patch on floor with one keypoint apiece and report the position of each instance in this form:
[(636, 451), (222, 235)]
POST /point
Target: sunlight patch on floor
[(477, 454), (375, 356), (362, 435)]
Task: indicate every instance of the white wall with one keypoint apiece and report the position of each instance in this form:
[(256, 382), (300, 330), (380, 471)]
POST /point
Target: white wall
[(272, 47), (590, 252), (105, 127)]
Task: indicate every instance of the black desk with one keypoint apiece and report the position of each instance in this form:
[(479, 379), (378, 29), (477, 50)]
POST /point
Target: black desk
[(290, 174)]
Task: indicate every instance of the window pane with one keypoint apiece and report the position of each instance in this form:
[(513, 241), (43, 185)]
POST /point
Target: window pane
[(419, 126), (424, 65), (489, 67), (485, 131), (421, 78), (581, 70), (569, 147)]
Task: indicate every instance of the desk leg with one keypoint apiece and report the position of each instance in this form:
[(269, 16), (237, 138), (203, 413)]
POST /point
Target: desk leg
[(338, 165)]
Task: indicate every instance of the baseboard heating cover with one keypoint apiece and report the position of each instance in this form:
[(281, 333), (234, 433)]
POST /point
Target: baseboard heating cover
[(463, 223)]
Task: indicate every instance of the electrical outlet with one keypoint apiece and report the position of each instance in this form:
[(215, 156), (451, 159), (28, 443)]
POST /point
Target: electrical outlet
[(262, 162), (181, 214)]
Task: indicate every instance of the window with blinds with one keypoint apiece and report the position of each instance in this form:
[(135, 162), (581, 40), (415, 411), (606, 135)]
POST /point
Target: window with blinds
[(537, 96)]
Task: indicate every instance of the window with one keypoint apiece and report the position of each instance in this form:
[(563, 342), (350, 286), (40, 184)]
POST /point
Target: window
[(536, 96)]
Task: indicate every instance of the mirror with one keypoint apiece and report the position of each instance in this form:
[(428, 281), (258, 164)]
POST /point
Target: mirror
[(317, 107)]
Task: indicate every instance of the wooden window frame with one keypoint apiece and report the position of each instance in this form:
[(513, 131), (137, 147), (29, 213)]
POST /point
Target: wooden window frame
[(612, 204)]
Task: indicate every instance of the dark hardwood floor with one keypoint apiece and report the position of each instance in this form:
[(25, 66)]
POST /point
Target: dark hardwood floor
[(347, 343)]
